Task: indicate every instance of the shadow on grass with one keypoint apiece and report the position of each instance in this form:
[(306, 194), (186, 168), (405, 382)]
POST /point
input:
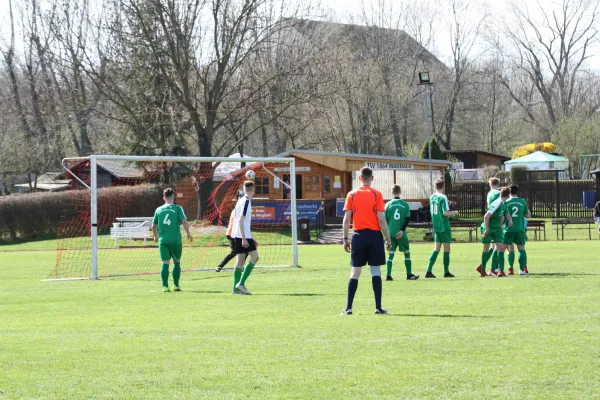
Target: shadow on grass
[(557, 274), (441, 316), (295, 294)]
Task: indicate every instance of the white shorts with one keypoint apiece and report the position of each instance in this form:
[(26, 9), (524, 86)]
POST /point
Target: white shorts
[(597, 220)]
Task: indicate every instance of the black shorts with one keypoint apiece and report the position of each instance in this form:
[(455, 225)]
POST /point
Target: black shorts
[(239, 249), (367, 248), (231, 243)]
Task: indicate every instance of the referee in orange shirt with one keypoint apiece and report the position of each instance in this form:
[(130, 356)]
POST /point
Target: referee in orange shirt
[(365, 207)]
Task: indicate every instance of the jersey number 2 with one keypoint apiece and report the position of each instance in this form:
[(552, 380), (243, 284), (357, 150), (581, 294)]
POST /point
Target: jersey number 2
[(515, 213), (167, 221)]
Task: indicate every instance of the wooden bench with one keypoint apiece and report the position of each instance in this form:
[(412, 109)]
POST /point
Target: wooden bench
[(538, 226), (561, 224), (457, 226), (131, 229)]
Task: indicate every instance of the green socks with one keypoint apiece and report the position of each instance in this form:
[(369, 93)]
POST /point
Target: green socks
[(446, 262), (522, 260), (237, 275), (432, 260), (500, 260), (494, 265), (485, 256), (408, 263), (511, 259), (247, 270), (388, 264), (164, 274), (176, 273)]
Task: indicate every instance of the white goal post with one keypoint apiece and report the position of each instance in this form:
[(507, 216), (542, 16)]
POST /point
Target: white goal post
[(93, 188)]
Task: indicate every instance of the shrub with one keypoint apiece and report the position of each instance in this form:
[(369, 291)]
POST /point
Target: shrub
[(526, 149), (490, 171), (518, 174), (436, 152), (29, 216)]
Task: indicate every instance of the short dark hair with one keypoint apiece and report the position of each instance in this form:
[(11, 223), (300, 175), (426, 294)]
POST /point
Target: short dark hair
[(494, 181), (439, 184), (514, 189), (366, 172), (169, 192), (249, 184), (504, 192), (396, 190)]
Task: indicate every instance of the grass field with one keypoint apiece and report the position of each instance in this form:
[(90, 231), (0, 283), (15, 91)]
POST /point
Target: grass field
[(470, 338)]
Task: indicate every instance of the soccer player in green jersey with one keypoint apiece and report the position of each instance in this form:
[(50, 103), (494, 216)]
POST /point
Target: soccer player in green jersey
[(167, 232), (397, 215), (515, 234), (494, 232), (440, 213), (492, 196)]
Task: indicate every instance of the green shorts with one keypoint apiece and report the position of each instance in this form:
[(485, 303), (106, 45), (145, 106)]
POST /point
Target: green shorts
[(400, 244), (518, 238), (442, 237), (171, 250), (496, 236)]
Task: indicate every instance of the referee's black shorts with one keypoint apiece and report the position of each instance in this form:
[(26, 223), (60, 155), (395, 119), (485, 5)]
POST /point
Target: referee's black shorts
[(239, 249), (367, 248)]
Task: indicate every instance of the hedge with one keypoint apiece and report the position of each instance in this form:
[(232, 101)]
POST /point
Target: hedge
[(526, 149), (35, 215)]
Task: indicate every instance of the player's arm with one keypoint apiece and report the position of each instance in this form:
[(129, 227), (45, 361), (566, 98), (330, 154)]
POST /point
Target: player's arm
[(384, 228), (186, 226), (155, 227), (507, 217), (346, 225), (404, 226), (446, 209), (241, 225)]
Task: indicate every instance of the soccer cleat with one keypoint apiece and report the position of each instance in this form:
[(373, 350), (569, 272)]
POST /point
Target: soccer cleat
[(412, 277), (176, 289), (236, 292), (381, 311), (389, 278), (166, 289), (242, 289), (430, 275), (501, 274), (347, 312), (523, 273), (511, 271), (481, 271), (491, 273), (449, 275), (218, 269)]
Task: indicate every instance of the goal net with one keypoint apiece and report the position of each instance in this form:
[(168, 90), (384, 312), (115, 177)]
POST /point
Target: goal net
[(107, 229)]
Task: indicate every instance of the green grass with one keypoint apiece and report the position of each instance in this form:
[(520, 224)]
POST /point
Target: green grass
[(470, 338)]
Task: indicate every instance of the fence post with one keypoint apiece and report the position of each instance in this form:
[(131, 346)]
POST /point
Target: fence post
[(529, 199), (557, 194)]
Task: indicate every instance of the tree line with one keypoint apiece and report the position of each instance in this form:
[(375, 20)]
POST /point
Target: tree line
[(258, 77)]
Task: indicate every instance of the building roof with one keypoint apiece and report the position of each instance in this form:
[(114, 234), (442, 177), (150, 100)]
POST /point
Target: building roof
[(122, 169), (227, 168), (50, 181), (538, 156), (487, 153), (361, 156)]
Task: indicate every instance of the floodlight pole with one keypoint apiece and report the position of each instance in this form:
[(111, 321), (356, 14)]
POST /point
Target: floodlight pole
[(424, 80)]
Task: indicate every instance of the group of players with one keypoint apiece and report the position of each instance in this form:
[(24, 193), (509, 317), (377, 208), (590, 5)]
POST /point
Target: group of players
[(504, 227), (373, 226)]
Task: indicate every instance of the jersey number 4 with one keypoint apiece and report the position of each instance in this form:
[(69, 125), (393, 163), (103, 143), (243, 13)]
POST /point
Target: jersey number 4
[(167, 221)]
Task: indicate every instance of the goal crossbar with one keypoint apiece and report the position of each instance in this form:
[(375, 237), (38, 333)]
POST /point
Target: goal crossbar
[(93, 188)]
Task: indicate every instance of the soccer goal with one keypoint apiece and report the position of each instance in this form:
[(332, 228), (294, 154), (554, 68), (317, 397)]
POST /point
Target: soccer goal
[(106, 229)]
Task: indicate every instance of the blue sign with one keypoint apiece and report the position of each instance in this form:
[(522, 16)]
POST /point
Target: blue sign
[(274, 212), (339, 207)]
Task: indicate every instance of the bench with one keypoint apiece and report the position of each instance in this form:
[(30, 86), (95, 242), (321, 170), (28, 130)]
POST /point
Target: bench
[(561, 224), (457, 226), (538, 226), (131, 228)]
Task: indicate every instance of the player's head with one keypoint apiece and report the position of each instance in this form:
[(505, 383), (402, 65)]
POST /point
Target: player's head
[(504, 193), (396, 190), (169, 195), (494, 183), (249, 188), (514, 190), (439, 185), (366, 176)]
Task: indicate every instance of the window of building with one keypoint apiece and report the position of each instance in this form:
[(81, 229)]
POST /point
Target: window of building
[(312, 183), (262, 184), (326, 184)]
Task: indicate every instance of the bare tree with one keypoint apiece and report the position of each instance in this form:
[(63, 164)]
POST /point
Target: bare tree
[(547, 49)]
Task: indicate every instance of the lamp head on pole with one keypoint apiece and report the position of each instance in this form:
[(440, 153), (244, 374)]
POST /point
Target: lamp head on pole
[(424, 78)]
